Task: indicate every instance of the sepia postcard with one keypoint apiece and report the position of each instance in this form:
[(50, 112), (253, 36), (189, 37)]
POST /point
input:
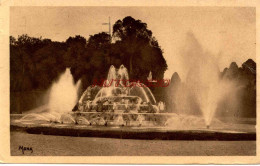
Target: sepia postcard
[(129, 82)]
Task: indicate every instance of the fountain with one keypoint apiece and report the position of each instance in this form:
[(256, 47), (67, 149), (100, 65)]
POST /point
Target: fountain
[(116, 103), (119, 102), (63, 94), (203, 81), (119, 109), (63, 97)]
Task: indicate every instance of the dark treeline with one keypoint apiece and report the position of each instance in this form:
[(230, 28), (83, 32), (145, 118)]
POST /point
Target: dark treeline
[(245, 76), (35, 63)]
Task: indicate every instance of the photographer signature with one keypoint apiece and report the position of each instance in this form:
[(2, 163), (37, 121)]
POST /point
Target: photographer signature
[(23, 149)]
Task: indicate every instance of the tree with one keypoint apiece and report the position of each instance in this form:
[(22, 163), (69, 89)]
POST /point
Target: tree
[(141, 49), (12, 41), (91, 61), (34, 62), (77, 41), (76, 49), (99, 41)]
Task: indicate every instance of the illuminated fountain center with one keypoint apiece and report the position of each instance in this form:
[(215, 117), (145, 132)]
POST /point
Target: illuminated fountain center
[(120, 101), (117, 86)]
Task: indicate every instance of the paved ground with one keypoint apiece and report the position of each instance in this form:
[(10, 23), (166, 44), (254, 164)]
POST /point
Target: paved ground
[(45, 145)]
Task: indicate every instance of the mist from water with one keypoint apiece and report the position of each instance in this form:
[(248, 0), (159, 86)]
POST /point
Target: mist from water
[(203, 80), (63, 94)]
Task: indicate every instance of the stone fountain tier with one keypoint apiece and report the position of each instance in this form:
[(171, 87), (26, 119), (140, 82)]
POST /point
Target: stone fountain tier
[(124, 103)]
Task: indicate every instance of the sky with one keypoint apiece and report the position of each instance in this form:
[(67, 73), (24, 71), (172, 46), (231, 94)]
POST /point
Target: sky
[(228, 33)]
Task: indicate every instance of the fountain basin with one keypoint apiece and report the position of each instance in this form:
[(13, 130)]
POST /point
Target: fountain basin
[(245, 132)]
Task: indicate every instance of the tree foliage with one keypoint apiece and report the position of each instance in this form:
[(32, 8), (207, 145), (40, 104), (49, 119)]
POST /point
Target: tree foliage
[(36, 62), (141, 49)]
